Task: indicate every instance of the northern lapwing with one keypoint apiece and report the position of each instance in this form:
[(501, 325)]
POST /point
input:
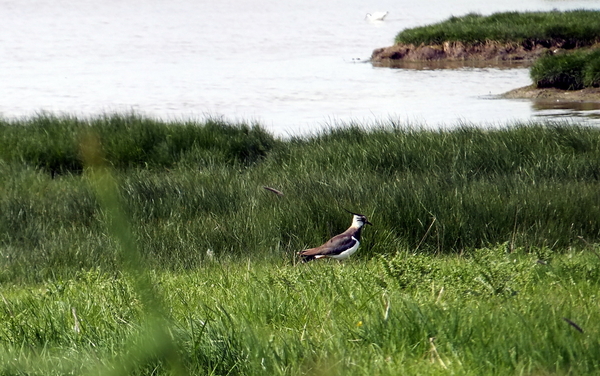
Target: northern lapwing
[(341, 246)]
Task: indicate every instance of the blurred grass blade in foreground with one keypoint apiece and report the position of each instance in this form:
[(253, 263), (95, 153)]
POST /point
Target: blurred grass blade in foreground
[(154, 340)]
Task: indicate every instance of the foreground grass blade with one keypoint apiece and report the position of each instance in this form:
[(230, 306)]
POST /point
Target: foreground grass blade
[(154, 339)]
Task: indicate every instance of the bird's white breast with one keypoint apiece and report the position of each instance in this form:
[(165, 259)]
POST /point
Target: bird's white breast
[(347, 253)]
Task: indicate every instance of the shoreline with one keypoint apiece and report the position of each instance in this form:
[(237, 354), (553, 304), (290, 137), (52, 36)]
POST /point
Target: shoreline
[(489, 51), (452, 55), (591, 95)]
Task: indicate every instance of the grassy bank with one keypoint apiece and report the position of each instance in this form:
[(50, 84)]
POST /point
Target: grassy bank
[(438, 191), (569, 29), (544, 38), (483, 259), (570, 71)]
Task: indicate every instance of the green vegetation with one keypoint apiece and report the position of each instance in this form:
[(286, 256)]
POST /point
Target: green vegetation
[(443, 191), (53, 143), (568, 29), (152, 248), (533, 31), (486, 313), (569, 71)]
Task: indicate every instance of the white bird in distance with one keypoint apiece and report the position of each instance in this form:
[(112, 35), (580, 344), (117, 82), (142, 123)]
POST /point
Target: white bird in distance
[(376, 16)]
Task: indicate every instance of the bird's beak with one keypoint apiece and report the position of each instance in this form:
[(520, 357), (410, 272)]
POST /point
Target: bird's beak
[(368, 223)]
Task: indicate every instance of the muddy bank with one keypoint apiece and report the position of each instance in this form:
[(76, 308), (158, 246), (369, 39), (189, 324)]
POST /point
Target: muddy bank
[(551, 94), (458, 51)]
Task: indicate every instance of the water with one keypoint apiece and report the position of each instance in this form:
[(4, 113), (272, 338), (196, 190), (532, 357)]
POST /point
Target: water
[(294, 65)]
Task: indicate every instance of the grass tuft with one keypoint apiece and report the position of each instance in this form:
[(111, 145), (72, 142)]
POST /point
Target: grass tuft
[(569, 71)]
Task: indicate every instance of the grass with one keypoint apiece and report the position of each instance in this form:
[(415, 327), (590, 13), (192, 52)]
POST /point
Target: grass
[(570, 71), (569, 29), (443, 191), (486, 313), (530, 30), (483, 257), (129, 141)]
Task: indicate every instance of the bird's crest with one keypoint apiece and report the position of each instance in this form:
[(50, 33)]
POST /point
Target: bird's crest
[(363, 218), (351, 212)]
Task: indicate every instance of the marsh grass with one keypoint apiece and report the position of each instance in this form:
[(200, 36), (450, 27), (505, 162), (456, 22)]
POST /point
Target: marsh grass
[(488, 313), (52, 143), (482, 260), (558, 31), (569, 71), (438, 191), (568, 29)]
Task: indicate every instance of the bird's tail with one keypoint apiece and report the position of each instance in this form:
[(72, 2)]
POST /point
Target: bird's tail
[(304, 257)]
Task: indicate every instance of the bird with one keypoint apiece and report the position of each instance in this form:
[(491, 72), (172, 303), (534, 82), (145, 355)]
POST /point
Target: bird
[(341, 246), (376, 16)]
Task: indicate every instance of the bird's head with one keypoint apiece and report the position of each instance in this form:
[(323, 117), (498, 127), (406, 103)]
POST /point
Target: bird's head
[(359, 220)]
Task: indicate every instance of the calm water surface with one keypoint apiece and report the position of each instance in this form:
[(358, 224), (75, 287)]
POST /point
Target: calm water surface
[(294, 66)]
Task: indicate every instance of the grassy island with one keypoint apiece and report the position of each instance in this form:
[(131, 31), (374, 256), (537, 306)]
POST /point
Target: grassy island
[(570, 29), (568, 71), (544, 39), (131, 246), (510, 36)]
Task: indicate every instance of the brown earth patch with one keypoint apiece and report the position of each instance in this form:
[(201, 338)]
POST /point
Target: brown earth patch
[(591, 94), (458, 51)]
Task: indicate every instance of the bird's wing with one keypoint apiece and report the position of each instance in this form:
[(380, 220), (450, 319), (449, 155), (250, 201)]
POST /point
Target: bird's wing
[(334, 246)]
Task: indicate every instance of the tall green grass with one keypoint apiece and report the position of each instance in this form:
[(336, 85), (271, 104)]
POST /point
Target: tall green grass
[(130, 141), (444, 191), (571, 71), (105, 266), (567, 29)]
